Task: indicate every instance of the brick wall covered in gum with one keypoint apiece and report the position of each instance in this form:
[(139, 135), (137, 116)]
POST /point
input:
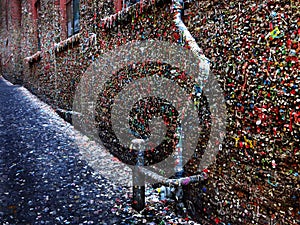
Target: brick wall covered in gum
[(39, 76), (54, 78), (10, 19), (256, 87)]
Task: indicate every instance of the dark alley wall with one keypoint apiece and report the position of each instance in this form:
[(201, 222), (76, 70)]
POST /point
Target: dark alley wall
[(256, 169), (10, 33)]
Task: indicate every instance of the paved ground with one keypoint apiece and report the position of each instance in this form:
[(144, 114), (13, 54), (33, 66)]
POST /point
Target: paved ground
[(43, 179), (52, 174)]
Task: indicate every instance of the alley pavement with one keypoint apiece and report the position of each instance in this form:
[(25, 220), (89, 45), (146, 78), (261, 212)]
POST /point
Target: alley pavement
[(42, 178)]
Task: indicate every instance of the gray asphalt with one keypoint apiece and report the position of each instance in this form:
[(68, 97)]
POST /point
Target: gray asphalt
[(42, 179)]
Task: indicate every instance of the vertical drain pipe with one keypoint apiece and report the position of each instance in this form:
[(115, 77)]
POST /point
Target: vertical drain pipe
[(178, 7), (204, 67)]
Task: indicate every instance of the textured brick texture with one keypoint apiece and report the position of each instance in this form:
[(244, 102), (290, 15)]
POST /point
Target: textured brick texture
[(11, 39), (239, 178)]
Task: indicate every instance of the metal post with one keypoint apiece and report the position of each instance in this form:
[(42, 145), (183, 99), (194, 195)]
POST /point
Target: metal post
[(179, 166), (138, 201)]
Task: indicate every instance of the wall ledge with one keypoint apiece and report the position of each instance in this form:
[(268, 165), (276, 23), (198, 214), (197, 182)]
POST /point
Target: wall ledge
[(135, 9), (61, 46), (34, 58)]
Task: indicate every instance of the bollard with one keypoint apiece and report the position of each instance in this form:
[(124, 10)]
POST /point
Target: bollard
[(138, 177)]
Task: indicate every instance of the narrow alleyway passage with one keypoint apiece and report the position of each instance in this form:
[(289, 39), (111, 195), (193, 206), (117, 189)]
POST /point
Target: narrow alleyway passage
[(42, 179), (52, 174)]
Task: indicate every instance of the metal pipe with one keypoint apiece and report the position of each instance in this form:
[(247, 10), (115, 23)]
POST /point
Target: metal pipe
[(138, 198), (178, 7)]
